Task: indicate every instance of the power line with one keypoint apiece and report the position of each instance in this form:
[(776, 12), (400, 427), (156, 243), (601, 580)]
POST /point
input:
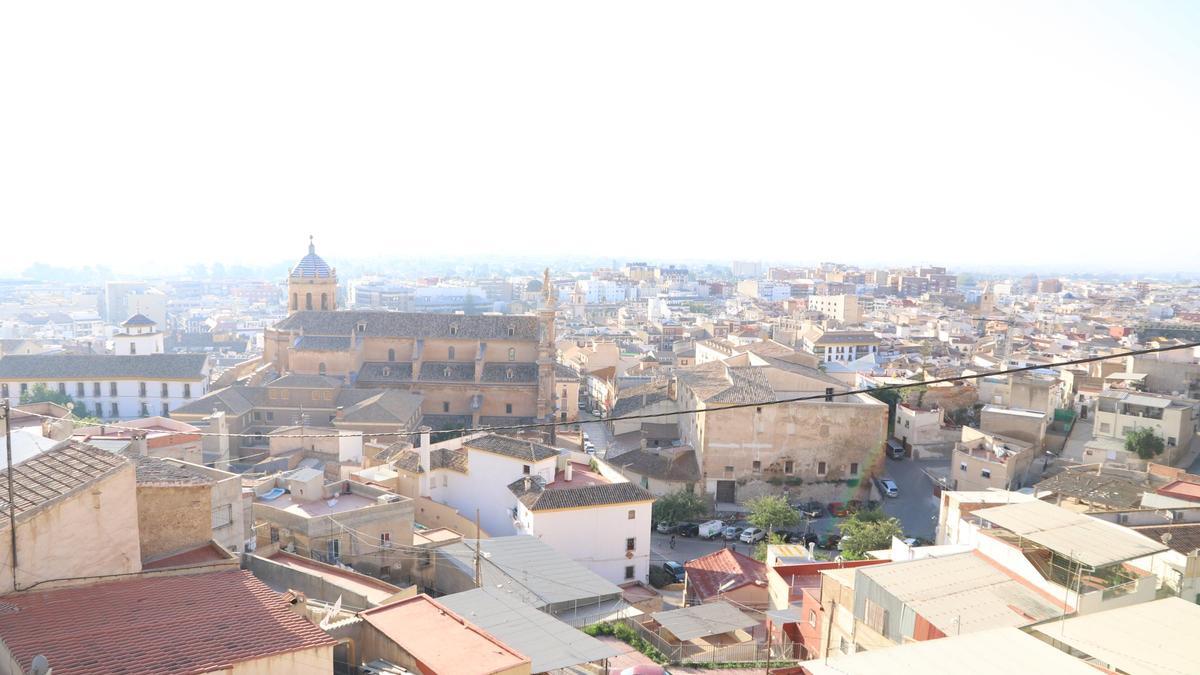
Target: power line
[(693, 411)]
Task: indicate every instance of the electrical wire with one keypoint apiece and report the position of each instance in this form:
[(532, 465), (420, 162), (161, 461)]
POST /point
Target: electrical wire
[(641, 416)]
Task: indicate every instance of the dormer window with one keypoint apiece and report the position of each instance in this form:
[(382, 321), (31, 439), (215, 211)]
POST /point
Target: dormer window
[(454, 329), (361, 327), (508, 374), (387, 371), (446, 371), (512, 330)]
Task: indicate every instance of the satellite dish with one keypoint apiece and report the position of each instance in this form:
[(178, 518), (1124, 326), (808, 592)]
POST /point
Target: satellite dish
[(40, 666)]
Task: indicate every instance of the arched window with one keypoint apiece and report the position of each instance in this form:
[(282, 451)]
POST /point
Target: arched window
[(321, 368), (295, 301), (454, 329), (512, 330), (512, 353), (324, 301), (308, 301), (450, 353), (391, 355)]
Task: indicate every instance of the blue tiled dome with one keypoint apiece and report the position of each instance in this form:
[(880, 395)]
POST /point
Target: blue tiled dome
[(312, 265)]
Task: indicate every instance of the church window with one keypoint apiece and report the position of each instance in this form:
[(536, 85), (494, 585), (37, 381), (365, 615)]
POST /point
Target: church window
[(308, 301), (321, 368), (454, 329), (295, 301), (324, 301), (391, 355), (450, 353), (508, 374), (512, 353), (512, 330)]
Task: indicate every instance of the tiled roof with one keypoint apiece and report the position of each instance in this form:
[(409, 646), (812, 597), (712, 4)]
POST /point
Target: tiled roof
[(534, 495), (387, 406), (445, 458), (725, 568), (157, 471), (301, 381), (322, 343), (678, 467), (233, 400), (382, 371), (54, 474), (717, 382), (412, 324), (77, 366), (512, 447), (447, 371), (138, 320), (504, 420), (312, 266), (193, 623), (639, 397), (499, 372), (563, 373)]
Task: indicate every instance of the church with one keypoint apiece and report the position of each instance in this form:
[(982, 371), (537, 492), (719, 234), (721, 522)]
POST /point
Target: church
[(488, 370)]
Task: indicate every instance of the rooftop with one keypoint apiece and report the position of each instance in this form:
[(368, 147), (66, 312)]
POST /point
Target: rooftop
[(594, 490), (376, 323), (1149, 637), (78, 366), (700, 621), (374, 590), (57, 473), (319, 507), (196, 623), (441, 640), (1093, 542), (512, 447), (722, 571)]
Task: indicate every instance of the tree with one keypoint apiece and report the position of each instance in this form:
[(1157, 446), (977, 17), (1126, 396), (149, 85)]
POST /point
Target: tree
[(772, 513), (40, 393), (868, 531), (1145, 442), (679, 505)]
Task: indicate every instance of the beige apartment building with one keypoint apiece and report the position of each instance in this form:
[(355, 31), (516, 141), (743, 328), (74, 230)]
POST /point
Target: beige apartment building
[(841, 308), (1174, 419), (983, 461)]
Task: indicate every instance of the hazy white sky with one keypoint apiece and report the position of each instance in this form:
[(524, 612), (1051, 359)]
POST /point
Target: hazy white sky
[(968, 134)]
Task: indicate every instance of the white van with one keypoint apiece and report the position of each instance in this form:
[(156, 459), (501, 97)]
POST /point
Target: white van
[(711, 529)]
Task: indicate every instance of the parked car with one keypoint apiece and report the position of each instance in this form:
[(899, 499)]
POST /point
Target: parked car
[(752, 535), (585, 437), (595, 412), (711, 529), (813, 509), (688, 529), (589, 447), (838, 509), (798, 537), (582, 405), (675, 570), (888, 487), (732, 532), (665, 527)]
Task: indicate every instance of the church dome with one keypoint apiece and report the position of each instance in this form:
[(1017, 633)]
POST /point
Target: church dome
[(312, 266)]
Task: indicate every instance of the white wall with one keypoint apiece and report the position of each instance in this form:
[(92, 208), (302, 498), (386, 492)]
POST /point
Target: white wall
[(485, 487), (595, 537), (128, 398)]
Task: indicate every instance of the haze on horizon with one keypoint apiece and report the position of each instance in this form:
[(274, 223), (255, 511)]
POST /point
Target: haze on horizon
[(153, 136)]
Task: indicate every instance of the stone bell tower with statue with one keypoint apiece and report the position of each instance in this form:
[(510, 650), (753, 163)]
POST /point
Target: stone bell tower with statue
[(547, 401)]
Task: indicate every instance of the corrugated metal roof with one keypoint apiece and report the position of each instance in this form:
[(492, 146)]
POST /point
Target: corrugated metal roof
[(1090, 541), (699, 621), (1150, 637), (549, 643)]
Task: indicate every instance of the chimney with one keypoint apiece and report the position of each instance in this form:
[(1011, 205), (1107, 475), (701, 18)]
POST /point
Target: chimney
[(339, 413), (138, 445), (569, 473), (424, 431), (528, 483), (423, 461)]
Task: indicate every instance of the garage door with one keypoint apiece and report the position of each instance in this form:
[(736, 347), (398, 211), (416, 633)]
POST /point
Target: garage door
[(726, 491)]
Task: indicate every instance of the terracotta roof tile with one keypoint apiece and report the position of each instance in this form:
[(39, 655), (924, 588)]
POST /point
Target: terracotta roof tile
[(174, 624), (708, 573)]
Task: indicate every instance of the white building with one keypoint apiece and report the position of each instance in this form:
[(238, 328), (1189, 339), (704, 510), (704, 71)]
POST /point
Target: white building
[(139, 335), (109, 386)]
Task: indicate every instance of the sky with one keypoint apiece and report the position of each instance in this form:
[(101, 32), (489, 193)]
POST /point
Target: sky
[(153, 135)]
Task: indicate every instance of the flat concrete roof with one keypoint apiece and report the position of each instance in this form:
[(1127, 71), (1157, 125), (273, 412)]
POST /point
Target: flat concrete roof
[(318, 507), (1093, 542), (1142, 639)]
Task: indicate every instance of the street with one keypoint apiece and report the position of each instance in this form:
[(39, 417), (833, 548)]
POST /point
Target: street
[(916, 507)]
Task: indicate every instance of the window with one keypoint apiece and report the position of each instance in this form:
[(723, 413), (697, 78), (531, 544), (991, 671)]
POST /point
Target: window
[(508, 374), (385, 540), (79, 389), (361, 327), (446, 371), (986, 473), (24, 388), (507, 408), (962, 466), (112, 388), (270, 416), (387, 372), (1171, 441), (324, 301), (333, 546), (257, 416), (445, 481), (114, 411), (141, 389), (166, 410), (316, 396), (729, 471), (454, 329), (62, 388), (385, 571), (96, 389), (145, 409), (632, 514), (629, 571), (630, 543), (450, 353), (512, 331), (4, 390), (222, 515), (788, 466), (274, 534), (812, 617), (512, 353), (166, 391), (308, 301), (133, 348), (756, 465), (391, 355), (295, 305), (876, 617), (445, 406), (99, 409), (853, 468), (320, 371), (525, 469), (821, 468)]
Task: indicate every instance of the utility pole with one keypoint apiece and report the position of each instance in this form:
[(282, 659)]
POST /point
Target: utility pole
[(478, 573), (12, 509)]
